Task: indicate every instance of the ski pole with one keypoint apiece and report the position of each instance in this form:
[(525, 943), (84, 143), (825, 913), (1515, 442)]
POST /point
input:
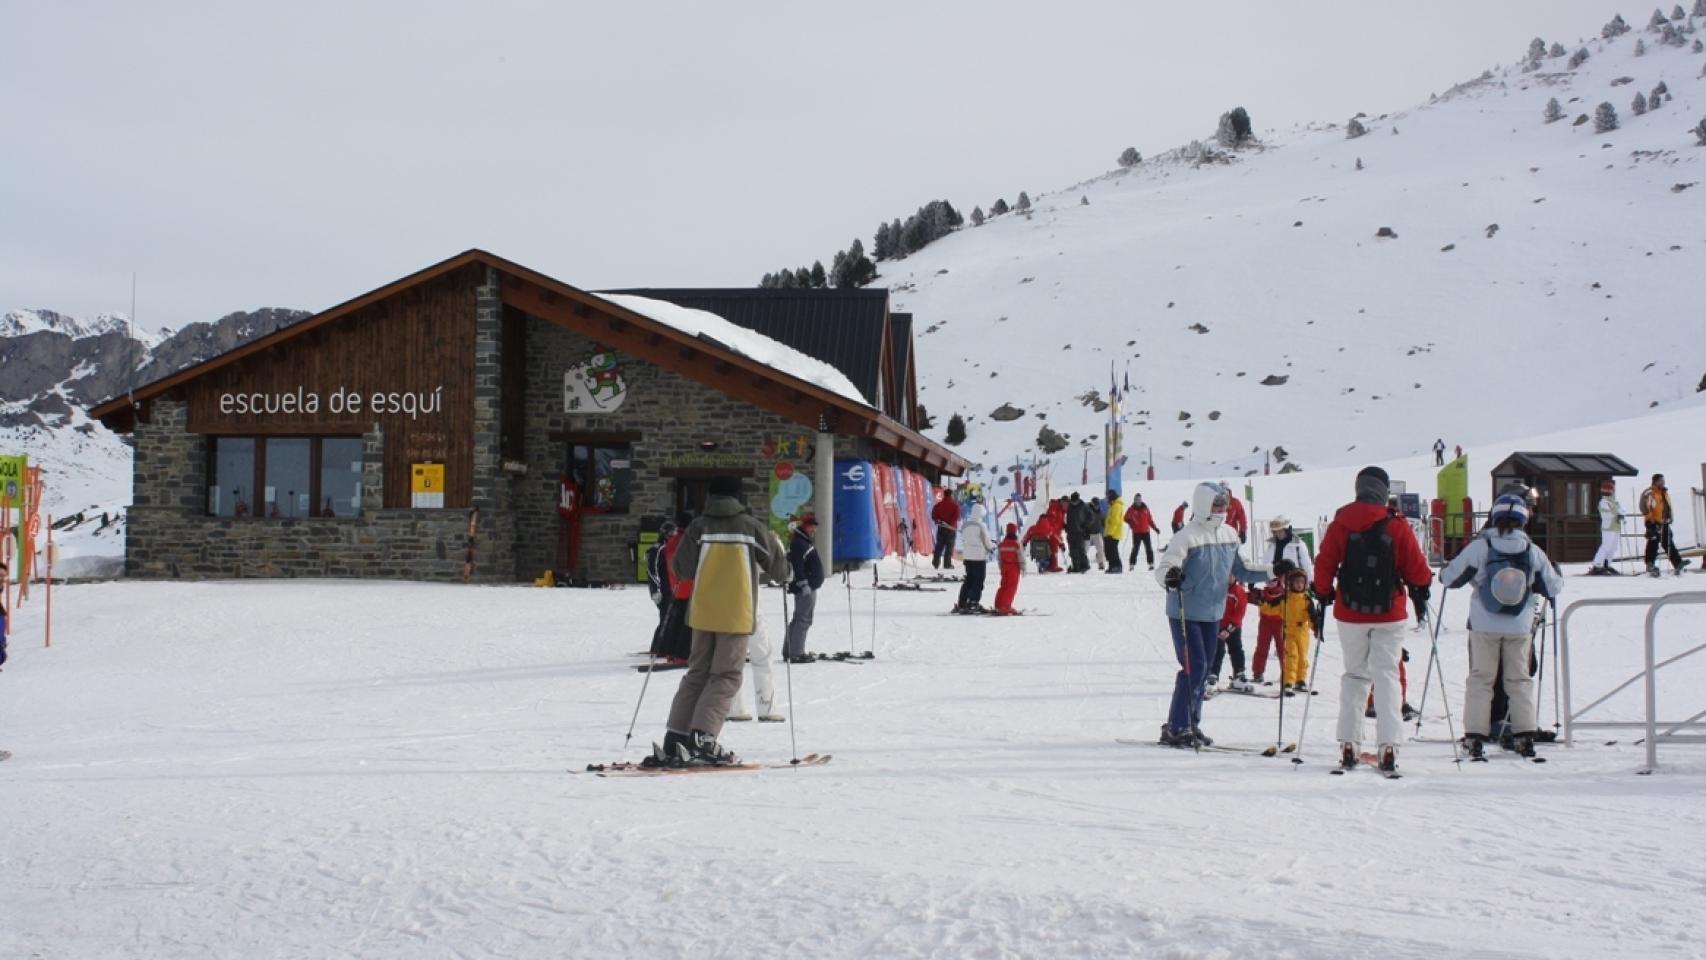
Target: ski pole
[(871, 653), (1539, 630), (1279, 732), (788, 668), (650, 666), (847, 581), (1193, 706), (1557, 720), (1450, 729), (1303, 728), (1433, 655)]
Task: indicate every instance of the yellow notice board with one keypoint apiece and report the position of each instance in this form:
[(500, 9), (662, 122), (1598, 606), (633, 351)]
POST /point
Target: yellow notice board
[(426, 486)]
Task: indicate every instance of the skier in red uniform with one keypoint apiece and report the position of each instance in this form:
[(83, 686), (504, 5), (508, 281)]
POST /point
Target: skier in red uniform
[(1011, 558)]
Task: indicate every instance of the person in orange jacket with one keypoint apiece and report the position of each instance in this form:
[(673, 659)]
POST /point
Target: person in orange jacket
[(1011, 558)]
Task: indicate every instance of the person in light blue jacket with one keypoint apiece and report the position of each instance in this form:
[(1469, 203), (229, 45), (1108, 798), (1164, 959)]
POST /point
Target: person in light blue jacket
[(1195, 568), (1508, 572)]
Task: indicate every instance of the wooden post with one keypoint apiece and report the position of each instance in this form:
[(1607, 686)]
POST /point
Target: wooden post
[(47, 613)]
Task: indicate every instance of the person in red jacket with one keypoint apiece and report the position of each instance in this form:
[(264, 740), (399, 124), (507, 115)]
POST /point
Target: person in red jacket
[(946, 513), (1236, 518), (1373, 555), (1011, 558), (1142, 524), (1179, 517), (1232, 638)]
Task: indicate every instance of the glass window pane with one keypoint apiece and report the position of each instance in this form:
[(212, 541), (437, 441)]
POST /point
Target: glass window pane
[(232, 490), (340, 477), (286, 493)]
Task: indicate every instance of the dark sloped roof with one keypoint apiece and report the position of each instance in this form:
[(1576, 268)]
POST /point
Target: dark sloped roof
[(900, 336), (1566, 464), (843, 328)]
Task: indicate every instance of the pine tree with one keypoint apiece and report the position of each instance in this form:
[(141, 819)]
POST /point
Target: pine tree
[(1658, 20), (1640, 47), (860, 269), (1657, 98), (1129, 157), (819, 278), (785, 280), (838, 270), (1359, 163), (977, 216), (1224, 134), (894, 237), (1558, 48), (1604, 118), (956, 431), (1241, 130), (1024, 202), (1700, 132), (925, 420), (1698, 47), (883, 246), (1677, 14), (1554, 110), (1354, 129), (1616, 27), (1536, 50), (998, 208), (1084, 200), (1640, 105), (1700, 8), (1579, 57)]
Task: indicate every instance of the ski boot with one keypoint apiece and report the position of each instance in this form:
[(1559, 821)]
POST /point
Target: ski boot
[(1242, 684), (1525, 746), (1652, 570), (1477, 745), (1181, 740), (1347, 755), (1200, 739), (1410, 713), (704, 749), (1388, 759)]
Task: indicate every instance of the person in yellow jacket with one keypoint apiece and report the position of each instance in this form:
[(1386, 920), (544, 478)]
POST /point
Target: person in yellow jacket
[(1299, 620), (1113, 531), (1656, 510)]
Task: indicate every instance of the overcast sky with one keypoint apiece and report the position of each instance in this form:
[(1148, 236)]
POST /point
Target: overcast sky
[(237, 156)]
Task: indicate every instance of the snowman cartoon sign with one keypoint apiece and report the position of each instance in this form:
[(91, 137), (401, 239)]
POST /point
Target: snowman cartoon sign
[(596, 384)]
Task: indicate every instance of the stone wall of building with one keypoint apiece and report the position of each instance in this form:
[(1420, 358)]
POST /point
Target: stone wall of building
[(673, 416), (170, 535)]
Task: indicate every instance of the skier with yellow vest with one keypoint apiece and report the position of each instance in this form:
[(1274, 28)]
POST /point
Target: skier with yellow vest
[(1113, 531), (725, 552)]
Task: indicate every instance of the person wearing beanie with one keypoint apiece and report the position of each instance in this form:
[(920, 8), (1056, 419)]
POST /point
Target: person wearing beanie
[(1142, 523), (1369, 561), (726, 553), (1080, 521), (1012, 562), (1113, 531), (1195, 569), (1610, 531), (673, 639), (1656, 511), (1508, 572), (806, 566)]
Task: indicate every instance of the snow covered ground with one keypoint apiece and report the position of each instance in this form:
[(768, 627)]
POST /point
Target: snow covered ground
[(338, 769)]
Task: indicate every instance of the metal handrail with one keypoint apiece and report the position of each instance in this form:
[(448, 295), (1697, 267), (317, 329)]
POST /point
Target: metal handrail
[(1649, 673)]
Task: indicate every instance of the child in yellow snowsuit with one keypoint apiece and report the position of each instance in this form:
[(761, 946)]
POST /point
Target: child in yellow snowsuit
[(1295, 612)]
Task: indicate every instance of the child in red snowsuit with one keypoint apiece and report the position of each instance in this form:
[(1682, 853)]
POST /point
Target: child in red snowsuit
[(1011, 558), (1270, 629), (1232, 638)]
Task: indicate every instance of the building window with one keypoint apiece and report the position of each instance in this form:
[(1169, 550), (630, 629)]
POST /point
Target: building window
[(604, 475), (285, 478)]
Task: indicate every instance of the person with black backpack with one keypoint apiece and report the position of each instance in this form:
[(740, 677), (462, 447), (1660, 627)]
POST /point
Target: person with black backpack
[(1372, 554), (1508, 572)]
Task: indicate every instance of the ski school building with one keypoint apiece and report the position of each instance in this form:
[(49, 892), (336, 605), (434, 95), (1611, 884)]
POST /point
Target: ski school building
[(479, 420)]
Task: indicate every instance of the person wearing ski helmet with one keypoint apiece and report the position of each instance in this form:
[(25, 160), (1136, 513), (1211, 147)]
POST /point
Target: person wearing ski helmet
[(1508, 572), (1368, 559), (1194, 568), (1011, 562), (1610, 530)]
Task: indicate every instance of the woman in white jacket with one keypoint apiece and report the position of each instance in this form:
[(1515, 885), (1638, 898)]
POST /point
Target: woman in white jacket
[(1283, 544), (1610, 530), (975, 549)]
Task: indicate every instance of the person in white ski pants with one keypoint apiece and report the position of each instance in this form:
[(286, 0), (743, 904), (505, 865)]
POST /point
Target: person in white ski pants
[(1372, 652), (763, 685), (1610, 527)]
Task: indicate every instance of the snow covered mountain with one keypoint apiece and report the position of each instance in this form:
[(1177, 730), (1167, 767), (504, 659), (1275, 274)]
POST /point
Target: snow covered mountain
[(53, 367), (1464, 269)]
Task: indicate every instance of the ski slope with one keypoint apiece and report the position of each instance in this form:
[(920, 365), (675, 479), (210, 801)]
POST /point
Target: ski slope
[(1535, 283)]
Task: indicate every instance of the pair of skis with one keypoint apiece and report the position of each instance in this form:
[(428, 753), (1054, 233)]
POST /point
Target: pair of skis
[(623, 768), (1271, 750)]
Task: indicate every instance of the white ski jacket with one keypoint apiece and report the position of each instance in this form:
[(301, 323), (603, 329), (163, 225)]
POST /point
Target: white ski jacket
[(974, 537)]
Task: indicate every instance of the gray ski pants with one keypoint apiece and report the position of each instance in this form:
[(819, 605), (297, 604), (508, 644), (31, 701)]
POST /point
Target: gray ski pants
[(805, 604), (713, 678)]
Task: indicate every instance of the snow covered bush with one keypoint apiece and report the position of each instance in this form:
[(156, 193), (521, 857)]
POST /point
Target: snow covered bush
[(1657, 20), (999, 207), (1354, 129), (1700, 132), (1579, 57), (1554, 110), (1558, 48), (1639, 106), (1615, 28), (956, 431), (1640, 47), (977, 216), (1024, 202), (1604, 118), (1129, 157)]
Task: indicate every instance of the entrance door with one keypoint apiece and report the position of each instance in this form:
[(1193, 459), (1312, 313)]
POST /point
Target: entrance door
[(691, 494)]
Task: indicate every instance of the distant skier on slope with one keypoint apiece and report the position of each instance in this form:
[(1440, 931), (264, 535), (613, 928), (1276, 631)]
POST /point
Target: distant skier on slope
[(1194, 568), (1179, 516), (1508, 572), (1373, 556), (1142, 524)]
